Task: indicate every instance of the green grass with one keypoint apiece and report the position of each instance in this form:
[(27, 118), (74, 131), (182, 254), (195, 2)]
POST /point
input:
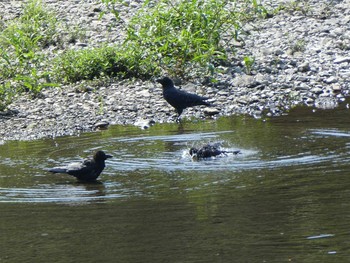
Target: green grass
[(95, 63), (186, 38), (248, 64), (178, 37), (21, 60), (183, 38)]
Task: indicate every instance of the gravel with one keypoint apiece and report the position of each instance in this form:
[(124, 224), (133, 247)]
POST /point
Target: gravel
[(301, 57)]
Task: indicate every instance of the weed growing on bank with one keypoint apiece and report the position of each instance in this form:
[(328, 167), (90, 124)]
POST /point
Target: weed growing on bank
[(22, 64), (183, 38), (189, 37), (95, 63)]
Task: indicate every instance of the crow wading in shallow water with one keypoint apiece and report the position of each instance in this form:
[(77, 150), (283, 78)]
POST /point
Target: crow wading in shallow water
[(209, 150), (180, 99), (88, 170)]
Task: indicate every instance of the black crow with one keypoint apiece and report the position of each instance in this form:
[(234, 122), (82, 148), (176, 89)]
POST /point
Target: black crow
[(180, 99), (209, 150), (88, 170)]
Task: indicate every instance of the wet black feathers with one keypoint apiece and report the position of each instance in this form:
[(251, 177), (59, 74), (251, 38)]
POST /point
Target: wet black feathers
[(209, 150), (88, 170)]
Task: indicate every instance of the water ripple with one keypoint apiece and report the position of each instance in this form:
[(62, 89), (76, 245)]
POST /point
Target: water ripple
[(330, 132), (54, 193), (145, 163), (174, 138)]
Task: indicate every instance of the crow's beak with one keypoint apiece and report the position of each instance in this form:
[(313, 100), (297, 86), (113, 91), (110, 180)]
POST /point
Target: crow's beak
[(108, 156)]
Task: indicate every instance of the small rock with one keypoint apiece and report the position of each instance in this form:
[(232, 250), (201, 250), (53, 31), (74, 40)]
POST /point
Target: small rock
[(211, 111), (302, 86), (336, 88), (330, 80), (326, 103), (80, 44), (97, 9), (243, 81), (317, 90), (49, 101), (101, 125), (143, 93), (144, 124), (304, 67), (341, 60), (308, 101)]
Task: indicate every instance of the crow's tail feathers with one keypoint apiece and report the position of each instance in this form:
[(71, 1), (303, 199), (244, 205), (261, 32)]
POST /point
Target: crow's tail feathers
[(55, 170)]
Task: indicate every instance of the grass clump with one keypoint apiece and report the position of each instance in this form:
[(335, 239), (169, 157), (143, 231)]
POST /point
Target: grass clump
[(6, 95), (21, 41), (105, 61), (184, 38), (180, 37), (177, 36)]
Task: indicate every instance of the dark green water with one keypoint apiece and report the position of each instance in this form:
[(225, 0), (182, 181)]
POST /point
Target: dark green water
[(286, 198)]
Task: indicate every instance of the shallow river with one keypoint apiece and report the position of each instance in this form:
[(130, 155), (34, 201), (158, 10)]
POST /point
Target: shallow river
[(285, 198)]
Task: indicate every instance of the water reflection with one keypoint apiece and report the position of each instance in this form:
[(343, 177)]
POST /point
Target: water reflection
[(284, 199), (69, 193), (154, 154)]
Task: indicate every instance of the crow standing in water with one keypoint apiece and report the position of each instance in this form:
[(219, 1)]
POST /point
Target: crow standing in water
[(88, 170), (180, 99), (209, 150)]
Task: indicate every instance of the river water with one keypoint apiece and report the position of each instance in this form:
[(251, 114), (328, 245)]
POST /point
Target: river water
[(285, 198)]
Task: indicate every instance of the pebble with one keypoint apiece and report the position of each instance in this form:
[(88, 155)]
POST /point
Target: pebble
[(330, 80), (144, 123), (298, 59), (342, 60), (101, 125), (211, 111)]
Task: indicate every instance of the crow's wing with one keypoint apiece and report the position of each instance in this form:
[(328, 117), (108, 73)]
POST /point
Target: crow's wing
[(67, 168), (183, 99), (72, 167), (190, 97)]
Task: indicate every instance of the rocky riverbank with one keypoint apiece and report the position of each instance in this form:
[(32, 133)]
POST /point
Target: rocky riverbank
[(301, 57)]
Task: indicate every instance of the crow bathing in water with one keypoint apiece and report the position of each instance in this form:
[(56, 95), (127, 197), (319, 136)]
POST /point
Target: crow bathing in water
[(180, 99), (209, 150), (88, 170)]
